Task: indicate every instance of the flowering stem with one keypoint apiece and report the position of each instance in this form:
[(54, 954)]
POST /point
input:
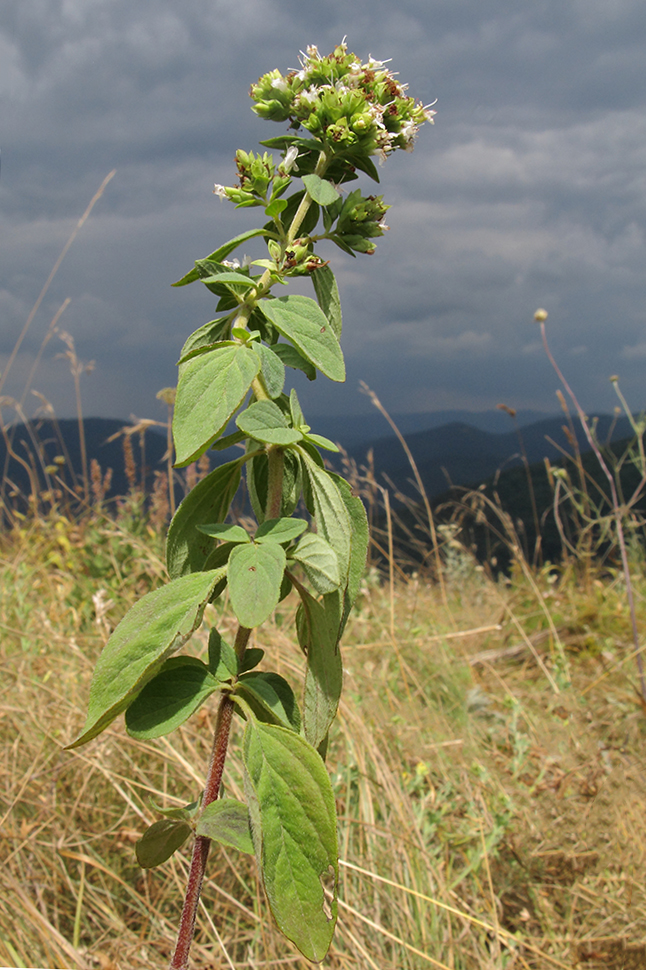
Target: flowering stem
[(306, 201)]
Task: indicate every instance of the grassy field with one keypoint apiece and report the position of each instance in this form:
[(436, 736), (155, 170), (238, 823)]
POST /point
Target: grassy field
[(487, 763)]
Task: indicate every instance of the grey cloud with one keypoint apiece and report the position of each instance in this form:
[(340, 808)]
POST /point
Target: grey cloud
[(529, 190)]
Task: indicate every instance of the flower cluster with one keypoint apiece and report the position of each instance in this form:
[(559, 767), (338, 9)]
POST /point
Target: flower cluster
[(256, 173), (348, 106), (358, 220)]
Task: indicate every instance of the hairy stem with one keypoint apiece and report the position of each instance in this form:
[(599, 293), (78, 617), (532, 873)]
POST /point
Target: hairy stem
[(202, 843)]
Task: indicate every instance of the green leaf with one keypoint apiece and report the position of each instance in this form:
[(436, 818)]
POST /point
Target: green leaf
[(332, 519), (227, 821), (205, 336), (360, 538), (271, 368), (327, 294), (301, 320), (160, 841), (184, 814), (211, 388), (255, 577), (365, 164), (280, 530), (298, 419), (320, 190), (223, 662), (169, 699), (228, 441), (157, 626), (187, 549), (293, 819), (225, 531), (321, 442), (270, 698), (318, 627), (275, 208), (251, 659), (319, 561), (211, 272), (292, 358), (264, 421), (223, 252)]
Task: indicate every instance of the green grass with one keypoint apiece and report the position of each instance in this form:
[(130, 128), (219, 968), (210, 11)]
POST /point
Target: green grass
[(489, 784)]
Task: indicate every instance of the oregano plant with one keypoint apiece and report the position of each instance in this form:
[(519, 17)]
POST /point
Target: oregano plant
[(311, 536)]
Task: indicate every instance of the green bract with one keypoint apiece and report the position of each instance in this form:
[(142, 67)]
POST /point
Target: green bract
[(310, 538)]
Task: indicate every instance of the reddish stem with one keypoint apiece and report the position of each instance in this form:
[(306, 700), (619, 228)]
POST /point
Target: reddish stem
[(202, 843)]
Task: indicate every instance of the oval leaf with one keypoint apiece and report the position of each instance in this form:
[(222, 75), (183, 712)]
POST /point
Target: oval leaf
[(211, 388), (301, 320), (319, 561), (158, 625), (271, 368), (264, 421), (280, 530), (255, 577), (294, 832), (270, 698), (227, 821), (160, 841), (320, 190), (226, 531), (169, 699)]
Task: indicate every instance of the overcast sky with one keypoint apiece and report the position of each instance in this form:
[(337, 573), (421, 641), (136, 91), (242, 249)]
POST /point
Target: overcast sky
[(530, 190)]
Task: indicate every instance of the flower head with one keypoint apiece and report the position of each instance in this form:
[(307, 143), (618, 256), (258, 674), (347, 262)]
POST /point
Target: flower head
[(350, 106)]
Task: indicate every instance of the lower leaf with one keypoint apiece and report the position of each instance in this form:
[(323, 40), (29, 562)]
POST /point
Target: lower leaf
[(294, 831)]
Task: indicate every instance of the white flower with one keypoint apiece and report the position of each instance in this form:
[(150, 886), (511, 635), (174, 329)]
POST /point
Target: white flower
[(279, 83), (289, 161), (374, 65), (313, 51), (220, 191), (231, 263)]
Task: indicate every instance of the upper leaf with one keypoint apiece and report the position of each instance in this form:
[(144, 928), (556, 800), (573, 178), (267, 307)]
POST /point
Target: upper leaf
[(319, 561), (320, 190), (301, 320), (223, 252), (158, 625), (272, 369), (332, 519), (264, 421), (211, 388), (327, 294), (291, 357), (187, 549), (255, 577), (280, 530), (294, 832)]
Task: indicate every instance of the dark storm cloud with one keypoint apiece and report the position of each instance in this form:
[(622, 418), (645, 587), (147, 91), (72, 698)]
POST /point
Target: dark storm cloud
[(530, 190)]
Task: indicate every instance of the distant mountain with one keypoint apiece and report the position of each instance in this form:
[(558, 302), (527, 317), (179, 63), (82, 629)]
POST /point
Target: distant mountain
[(357, 429), (459, 454)]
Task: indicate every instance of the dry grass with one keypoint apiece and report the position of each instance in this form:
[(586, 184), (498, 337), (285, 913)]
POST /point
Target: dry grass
[(490, 816)]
